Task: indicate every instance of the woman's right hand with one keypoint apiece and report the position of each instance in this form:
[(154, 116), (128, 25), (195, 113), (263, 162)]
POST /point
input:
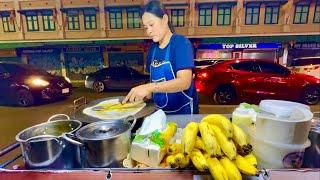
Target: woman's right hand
[(139, 93)]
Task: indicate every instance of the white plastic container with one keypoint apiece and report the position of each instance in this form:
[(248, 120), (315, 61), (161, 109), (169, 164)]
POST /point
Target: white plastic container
[(277, 155), (283, 122)]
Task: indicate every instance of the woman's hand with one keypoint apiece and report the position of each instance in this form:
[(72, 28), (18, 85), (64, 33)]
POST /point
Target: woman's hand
[(139, 93)]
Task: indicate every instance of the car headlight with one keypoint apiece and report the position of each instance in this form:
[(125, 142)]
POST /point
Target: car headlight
[(39, 82), (67, 79)]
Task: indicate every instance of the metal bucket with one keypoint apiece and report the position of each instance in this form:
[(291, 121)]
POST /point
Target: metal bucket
[(43, 145)]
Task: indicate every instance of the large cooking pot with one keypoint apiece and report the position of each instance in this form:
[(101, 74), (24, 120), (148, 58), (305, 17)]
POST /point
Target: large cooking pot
[(43, 145), (104, 143)]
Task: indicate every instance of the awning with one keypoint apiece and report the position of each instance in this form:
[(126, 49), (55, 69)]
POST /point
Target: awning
[(210, 4), (5, 13), (45, 11), (266, 1), (176, 5), (120, 7), (77, 9), (13, 45)]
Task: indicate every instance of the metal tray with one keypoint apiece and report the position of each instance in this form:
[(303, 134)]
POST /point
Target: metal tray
[(81, 103)]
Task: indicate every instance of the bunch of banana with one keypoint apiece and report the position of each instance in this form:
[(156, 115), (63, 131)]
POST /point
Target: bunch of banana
[(240, 139), (211, 144), (169, 132), (227, 146), (199, 144), (251, 159), (171, 162), (245, 167), (216, 169), (219, 149), (182, 160), (198, 160), (174, 148), (222, 122), (231, 169), (189, 136)]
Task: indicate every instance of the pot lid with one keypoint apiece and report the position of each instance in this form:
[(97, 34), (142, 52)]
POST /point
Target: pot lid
[(103, 130)]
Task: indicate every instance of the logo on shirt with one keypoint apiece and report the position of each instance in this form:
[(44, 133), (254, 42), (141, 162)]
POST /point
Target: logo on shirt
[(157, 63)]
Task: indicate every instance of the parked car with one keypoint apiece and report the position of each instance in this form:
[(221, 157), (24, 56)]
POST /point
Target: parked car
[(121, 77), (202, 63), (306, 65), (250, 80), (25, 85)]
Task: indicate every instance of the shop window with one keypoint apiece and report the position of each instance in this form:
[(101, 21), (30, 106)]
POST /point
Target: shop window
[(133, 17), (316, 18), (73, 20), (90, 19), (301, 14), (223, 15), (205, 16), (271, 15), (48, 22), (8, 25), (115, 19), (32, 22), (177, 17), (252, 14)]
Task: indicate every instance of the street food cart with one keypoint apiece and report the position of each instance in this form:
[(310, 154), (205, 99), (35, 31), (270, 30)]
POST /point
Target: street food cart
[(68, 164)]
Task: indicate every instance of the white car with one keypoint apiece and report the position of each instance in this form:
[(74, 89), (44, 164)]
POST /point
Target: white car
[(306, 65)]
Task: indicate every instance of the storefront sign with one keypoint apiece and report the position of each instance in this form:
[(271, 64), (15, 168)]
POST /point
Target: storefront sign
[(307, 45), (29, 51), (81, 49), (241, 46)]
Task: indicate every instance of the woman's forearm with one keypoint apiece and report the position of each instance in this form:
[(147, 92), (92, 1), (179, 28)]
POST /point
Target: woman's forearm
[(180, 83)]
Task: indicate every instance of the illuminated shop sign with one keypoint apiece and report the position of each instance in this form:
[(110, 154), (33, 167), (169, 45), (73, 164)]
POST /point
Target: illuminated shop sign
[(241, 46)]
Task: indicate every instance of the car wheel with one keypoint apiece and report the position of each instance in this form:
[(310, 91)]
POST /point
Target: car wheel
[(311, 95), (24, 98), (98, 86), (224, 95)]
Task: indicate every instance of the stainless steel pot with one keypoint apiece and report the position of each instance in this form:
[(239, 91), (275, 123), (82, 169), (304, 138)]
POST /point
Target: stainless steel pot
[(43, 145), (104, 143)]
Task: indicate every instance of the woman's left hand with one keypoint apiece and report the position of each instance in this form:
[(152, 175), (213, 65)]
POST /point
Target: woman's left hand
[(139, 93)]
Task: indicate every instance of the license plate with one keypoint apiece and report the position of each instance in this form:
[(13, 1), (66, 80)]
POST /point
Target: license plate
[(65, 90)]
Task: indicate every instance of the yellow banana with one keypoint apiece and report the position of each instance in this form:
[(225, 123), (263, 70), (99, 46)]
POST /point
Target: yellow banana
[(182, 160), (211, 144), (231, 169), (206, 155), (245, 167), (227, 146), (189, 136), (198, 160), (174, 148), (251, 159), (216, 169), (199, 144), (169, 132), (170, 161), (222, 122), (240, 139)]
